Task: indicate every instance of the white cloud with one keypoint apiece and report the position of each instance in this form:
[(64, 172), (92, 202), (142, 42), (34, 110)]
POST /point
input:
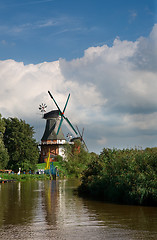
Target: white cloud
[(113, 91), (63, 23), (23, 86), (48, 23)]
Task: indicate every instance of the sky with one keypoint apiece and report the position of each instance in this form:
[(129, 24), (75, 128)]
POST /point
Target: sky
[(102, 52)]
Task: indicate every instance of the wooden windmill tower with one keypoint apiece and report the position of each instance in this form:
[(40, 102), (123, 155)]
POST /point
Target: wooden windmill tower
[(53, 139)]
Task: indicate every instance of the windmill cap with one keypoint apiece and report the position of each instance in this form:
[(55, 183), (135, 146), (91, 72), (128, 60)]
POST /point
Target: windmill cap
[(51, 114)]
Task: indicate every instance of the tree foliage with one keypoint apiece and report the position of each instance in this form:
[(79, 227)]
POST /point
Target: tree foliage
[(76, 159), (126, 176), (22, 147), (4, 157)]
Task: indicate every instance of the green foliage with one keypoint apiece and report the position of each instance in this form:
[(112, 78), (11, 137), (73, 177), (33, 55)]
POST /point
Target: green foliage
[(127, 176), (76, 160), (4, 157), (22, 147), (41, 165), (23, 177)]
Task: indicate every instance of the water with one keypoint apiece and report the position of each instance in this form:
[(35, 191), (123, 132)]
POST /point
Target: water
[(43, 210)]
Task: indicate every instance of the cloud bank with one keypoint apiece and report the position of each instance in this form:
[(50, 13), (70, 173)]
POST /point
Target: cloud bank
[(113, 92)]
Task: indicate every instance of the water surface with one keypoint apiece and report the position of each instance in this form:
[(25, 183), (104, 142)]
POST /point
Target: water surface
[(52, 210)]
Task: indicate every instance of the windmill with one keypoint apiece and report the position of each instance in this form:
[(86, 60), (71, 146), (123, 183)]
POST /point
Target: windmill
[(61, 113), (42, 108), (53, 138), (81, 137)]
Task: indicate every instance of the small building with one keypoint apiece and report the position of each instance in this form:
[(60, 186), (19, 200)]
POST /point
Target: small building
[(51, 142)]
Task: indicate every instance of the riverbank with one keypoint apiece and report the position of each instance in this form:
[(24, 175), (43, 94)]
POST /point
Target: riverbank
[(127, 176), (6, 180), (122, 176), (4, 177)]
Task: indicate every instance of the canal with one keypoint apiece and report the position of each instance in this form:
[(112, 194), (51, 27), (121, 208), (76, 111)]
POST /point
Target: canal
[(43, 210)]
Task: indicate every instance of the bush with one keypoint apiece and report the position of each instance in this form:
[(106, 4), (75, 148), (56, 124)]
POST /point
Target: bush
[(126, 176), (76, 159)]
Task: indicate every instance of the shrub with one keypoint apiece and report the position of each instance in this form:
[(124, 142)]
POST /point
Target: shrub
[(125, 176)]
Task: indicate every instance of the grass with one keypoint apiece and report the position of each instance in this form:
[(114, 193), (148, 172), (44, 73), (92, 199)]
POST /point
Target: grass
[(41, 165), (29, 177), (23, 177)]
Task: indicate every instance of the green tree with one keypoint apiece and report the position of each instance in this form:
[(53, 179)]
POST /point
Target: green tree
[(76, 159), (21, 145), (4, 157)]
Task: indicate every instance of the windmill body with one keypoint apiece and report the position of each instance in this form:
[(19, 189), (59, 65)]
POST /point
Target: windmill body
[(51, 140)]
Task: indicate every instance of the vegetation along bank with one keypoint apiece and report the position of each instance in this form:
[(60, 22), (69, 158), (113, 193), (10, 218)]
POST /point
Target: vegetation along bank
[(127, 176), (124, 176)]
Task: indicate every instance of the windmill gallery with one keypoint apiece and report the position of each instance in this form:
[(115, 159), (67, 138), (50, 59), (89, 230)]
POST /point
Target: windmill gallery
[(53, 139)]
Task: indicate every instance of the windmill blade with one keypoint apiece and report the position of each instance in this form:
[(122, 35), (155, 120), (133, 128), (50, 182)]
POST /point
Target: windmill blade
[(55, 102), (66, 103), (82, 132), (70, 124), (60, 125), (81, 136), (63, 114), (79, 132), (85, 144)]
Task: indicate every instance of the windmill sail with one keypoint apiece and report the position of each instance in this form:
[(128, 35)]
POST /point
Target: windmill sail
[(81, 137), (62, 113)]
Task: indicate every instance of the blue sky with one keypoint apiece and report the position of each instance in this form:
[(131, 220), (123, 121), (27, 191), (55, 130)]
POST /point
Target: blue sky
[(34, 31), (102, 52)]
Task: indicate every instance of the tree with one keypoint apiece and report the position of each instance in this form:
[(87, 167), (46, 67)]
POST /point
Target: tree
[(4, 157), (76, 158), (22, 147)]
